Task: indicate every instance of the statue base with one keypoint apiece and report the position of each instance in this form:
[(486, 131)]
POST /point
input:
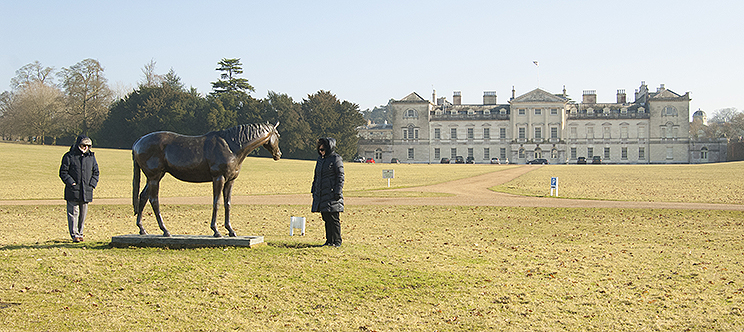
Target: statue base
[(184, 241)]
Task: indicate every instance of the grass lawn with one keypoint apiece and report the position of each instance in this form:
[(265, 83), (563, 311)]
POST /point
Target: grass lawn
[(401, 268), (40, 180), (702, 183)]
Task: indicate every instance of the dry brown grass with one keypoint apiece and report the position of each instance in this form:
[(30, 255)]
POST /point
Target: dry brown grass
[(38, 178), (401, 268), (708, 183)]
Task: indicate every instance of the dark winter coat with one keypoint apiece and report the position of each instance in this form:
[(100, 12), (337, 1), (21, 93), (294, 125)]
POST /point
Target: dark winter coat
[(328, 182), (80, 169)]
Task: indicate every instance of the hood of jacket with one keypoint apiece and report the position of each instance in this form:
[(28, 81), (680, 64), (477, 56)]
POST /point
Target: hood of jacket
[(74, 148), (329, 143)]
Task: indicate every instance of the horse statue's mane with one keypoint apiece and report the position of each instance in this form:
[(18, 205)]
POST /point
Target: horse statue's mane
[(239, 135)]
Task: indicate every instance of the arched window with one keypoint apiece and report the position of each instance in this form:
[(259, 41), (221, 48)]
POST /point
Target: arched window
[(378, 154), (669, 111), (704, 153), (521, 153), (411, 114), (538, 153), (554, 153)]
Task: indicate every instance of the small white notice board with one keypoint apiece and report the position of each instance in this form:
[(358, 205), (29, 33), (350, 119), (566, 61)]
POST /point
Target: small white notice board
[(388, 174)]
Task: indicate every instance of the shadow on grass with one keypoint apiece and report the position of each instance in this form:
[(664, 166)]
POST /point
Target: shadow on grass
[(4, 305), (59, 244), (52, 244), (293, 245)]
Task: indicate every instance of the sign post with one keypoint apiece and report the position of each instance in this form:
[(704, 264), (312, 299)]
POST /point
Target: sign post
[(388, 174), (554, 186)]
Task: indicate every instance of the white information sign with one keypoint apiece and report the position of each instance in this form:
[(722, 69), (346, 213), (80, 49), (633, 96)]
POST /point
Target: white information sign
[(388, 174)]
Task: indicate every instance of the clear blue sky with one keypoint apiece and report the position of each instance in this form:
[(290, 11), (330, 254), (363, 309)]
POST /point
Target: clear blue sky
[(367, 52)]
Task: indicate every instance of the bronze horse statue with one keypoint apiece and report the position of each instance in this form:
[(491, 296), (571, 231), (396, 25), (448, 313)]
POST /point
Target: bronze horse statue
[(215, 156)]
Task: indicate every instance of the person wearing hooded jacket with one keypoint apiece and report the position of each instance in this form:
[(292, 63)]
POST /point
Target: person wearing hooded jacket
[(327, 189), (79, 172)]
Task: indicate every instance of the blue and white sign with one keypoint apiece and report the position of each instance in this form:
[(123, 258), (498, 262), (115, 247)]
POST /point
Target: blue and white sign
[(554, 186)]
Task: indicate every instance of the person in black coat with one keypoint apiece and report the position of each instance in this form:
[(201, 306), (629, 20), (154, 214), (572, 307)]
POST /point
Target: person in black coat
[(79, 172), (327, 189)]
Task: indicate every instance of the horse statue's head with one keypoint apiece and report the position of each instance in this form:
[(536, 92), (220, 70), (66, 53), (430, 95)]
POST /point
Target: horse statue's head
[(272, 143)]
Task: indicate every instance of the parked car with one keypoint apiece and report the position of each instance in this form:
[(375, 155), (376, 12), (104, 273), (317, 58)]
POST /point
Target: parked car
[(470, 160), (358, 159), (459, 160), (538, 161), (444, 161), (596, 160), (370, 160), (495, 161), (395, 161), (581, 160)]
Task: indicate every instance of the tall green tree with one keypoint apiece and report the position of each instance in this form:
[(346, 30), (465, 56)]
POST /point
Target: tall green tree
[(173, 80), (327, 116), (378, 115), (216, 116), (229, 81), (150, 109), (87, 95), (296, 138)]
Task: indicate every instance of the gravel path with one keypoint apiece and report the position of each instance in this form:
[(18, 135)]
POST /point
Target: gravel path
[(467, 192)]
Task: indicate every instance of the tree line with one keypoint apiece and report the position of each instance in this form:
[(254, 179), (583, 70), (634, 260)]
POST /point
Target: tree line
[(723, 123), (43, 111)]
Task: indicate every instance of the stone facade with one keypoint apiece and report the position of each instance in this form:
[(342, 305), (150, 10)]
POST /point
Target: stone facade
[(653, 129)]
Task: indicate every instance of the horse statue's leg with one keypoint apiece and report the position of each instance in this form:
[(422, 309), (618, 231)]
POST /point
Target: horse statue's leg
[(227, 197), (217, 185), (155, 203), (143, 197)]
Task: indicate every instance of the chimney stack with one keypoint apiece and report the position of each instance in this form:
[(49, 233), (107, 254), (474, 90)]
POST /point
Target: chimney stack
[(621, 97), (457, 98), (434, 96), (590, 97), (489, 97)]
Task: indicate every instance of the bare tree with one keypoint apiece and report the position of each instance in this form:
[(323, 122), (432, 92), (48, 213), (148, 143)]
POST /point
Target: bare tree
[(87, 96), (30, 73), (38, 110), (727, 122), (724, 115), (151, 79), (7, 125)]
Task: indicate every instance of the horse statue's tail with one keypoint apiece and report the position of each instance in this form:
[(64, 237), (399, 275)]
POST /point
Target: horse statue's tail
[(135, 186)]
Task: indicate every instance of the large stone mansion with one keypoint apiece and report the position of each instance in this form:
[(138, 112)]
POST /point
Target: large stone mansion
[(651, 129)]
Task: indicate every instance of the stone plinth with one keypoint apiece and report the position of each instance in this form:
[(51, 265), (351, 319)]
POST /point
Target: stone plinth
[(184, 241)]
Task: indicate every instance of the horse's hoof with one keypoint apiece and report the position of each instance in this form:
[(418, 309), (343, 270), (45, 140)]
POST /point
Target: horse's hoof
[(217, 235), (232, 234), (143, 233), (166, 234)]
